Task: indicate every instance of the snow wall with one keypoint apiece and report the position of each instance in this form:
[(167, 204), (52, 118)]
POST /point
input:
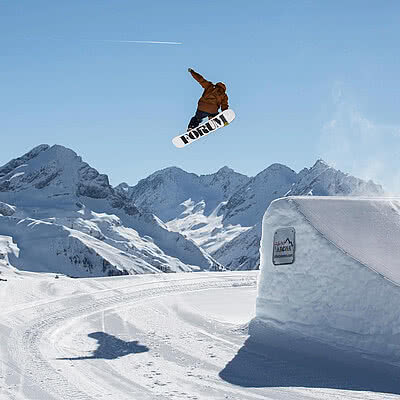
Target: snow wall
[(343, 287)]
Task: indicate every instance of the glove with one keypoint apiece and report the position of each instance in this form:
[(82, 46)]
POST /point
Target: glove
[(190, 69)]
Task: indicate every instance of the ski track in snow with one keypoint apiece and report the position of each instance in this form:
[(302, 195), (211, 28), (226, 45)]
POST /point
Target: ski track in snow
[(48, 355), (25, 341)]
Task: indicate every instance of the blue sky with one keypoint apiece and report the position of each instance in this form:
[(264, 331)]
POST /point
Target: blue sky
[(307, 80)]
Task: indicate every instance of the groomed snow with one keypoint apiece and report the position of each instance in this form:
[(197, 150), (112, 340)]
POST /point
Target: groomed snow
[(343, 287), (163, 336)]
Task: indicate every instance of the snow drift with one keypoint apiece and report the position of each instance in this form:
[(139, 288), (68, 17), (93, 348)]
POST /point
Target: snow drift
[(343, 287)]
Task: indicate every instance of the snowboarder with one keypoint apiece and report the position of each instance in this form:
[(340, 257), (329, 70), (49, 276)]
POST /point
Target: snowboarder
[(213, 98)]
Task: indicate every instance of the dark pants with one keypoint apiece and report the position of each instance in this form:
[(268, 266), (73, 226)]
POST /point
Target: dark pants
[(196, 120)]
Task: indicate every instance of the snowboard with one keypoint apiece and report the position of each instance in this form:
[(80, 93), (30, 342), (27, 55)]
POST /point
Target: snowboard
[(222, 119)]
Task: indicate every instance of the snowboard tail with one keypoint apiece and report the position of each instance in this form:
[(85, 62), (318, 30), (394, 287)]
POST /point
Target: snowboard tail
[(221, 120)]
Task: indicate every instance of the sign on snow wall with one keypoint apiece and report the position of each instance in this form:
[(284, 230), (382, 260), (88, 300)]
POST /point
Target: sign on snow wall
[(284, 246)]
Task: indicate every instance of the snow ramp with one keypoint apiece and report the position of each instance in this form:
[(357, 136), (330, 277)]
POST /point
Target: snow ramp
[(330, 270)]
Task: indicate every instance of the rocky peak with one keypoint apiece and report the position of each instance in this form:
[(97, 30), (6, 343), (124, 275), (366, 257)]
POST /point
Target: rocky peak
[(225, 170), (17, 162), (169, 173), (224, 182), (320, 163), (276, 168), (247, 205), (323, 180), (56, 170), (123, 189)]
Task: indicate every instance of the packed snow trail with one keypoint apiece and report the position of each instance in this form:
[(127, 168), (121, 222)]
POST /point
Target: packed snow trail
[(150, 337), (25, 338)]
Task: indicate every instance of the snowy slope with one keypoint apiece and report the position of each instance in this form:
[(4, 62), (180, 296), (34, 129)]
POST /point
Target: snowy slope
[(346, 275), (242, 252), (49, 247), (207, 230), (53, 188)]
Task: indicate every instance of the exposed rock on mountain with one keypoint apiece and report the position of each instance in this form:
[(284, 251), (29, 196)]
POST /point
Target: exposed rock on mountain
[(163, 192), (248, 204), (323, 180), (74, 204), (242, 252), (226, 220), (64, 216)]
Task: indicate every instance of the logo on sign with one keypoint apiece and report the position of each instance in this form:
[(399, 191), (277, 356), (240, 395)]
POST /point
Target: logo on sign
[(284, 246)]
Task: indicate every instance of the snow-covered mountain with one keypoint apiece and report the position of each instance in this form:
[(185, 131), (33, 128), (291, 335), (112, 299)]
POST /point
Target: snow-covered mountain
[(247, 205), (163, 192), (65, 217), (242, 252), (222, 212), (323, 180)]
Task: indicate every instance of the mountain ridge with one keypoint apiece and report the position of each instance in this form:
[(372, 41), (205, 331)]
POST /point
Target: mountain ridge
[(230, 228), (51, 186), (171, 221)]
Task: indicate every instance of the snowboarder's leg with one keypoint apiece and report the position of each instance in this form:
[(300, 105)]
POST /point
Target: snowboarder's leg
[(196, 120), (194, 123)]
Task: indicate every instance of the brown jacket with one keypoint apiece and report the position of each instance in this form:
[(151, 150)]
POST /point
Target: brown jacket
[(213, 97)]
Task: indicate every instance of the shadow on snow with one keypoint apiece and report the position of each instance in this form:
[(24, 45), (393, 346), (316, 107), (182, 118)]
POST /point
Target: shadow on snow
[(110, 348), (283, 360)]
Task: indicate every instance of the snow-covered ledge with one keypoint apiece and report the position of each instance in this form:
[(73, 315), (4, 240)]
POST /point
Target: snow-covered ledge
[(343, 286)]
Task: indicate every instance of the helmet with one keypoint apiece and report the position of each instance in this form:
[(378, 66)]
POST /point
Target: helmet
[(221, 85)]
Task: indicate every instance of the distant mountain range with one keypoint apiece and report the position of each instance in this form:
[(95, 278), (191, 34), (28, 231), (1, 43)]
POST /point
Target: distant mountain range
[(222, 212), (58, 214)]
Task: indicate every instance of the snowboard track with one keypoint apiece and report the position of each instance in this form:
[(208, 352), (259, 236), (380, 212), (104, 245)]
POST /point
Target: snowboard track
[(25, 341)]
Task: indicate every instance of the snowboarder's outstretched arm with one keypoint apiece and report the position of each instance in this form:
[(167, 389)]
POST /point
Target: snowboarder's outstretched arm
[(203, 82)]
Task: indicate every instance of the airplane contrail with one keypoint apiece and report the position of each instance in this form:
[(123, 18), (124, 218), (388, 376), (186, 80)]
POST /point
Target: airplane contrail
[(115, 41), (141, 41)]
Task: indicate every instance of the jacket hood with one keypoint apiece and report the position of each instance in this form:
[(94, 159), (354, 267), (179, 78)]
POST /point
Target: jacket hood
[(221, 85)]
